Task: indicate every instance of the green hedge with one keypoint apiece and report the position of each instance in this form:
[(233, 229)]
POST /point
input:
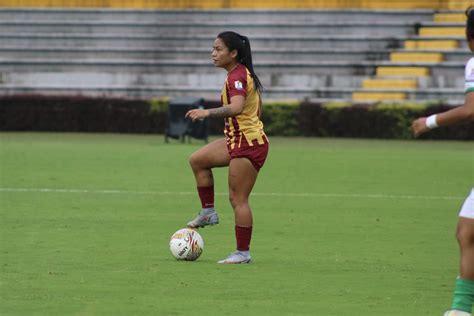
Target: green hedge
[(374, 121), (82, 114), (281, 118), (79, 114)]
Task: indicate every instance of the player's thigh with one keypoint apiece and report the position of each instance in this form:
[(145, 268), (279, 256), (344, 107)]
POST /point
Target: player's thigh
[(465, 230), (214, 154), (242, 177)]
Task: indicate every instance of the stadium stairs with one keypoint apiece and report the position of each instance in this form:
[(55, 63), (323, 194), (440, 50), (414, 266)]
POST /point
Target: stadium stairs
[(318, 54), (398, 81)]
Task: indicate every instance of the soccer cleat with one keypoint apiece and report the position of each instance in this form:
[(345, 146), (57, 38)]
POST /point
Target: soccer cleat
[(202, 220), (237, 257), (454, 312)]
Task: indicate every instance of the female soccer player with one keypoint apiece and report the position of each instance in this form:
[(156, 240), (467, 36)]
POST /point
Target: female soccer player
[(463, 299), (244, 148)]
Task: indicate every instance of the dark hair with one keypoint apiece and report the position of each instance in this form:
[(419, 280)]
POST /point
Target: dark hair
[(241, 44), (470, 23)]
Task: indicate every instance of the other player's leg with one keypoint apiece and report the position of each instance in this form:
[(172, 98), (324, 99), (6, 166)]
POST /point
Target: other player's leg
[(214, 154), (242, 177), (463, 298)]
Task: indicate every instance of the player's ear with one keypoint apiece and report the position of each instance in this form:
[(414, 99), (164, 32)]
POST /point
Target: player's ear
[(234, 54)]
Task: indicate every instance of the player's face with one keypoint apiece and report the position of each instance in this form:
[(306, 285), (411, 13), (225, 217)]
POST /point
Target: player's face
[(221, 57)]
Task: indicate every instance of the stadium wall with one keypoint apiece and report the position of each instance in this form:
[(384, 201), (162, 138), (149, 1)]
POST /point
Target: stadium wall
[(242, 4)]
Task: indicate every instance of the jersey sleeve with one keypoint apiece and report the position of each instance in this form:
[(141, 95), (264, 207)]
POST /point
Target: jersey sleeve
[(469, 83), (237, 81)]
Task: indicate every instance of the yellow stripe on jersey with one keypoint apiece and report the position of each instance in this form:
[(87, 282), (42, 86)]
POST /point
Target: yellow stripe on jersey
[(245, 128)]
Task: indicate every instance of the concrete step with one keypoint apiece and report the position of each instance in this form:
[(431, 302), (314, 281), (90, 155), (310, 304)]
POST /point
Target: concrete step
[(149, 41), (190, 15), (460, 55), (428, 24), (250, 29), (454, 96), (276, 54), (356, 42), (216, 77), (205, 66), (152, 41)]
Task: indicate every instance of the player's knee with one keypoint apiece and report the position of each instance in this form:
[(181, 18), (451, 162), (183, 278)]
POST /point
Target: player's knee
[(194, 161), (465, 235), (236, 200), (232, 200)]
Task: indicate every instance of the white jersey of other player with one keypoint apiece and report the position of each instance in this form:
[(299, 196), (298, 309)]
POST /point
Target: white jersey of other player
[(467, 209), (469, 83)]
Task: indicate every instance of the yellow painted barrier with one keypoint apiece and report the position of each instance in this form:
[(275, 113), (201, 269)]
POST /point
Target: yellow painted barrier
[(217, 4), (442, 31), (436, 44), (393, 71), (458, 4), (378, 96), (389, 84), (402, 57), (449, 17)]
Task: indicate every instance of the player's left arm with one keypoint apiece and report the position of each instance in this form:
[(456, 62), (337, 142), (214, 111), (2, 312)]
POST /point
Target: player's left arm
[(235, 107), (457, 115)]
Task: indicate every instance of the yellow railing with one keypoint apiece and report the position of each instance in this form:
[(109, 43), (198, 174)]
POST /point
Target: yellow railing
[(216, 4)]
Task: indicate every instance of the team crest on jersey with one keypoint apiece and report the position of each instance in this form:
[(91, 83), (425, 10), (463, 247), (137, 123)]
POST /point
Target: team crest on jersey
[(238, 85)]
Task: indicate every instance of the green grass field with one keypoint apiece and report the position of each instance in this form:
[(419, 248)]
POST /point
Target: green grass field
[(341, 227)]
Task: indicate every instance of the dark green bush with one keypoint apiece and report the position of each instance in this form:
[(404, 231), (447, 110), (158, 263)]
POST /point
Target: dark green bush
[(79, 114), (374, 121), (83, 114), (281, 118)]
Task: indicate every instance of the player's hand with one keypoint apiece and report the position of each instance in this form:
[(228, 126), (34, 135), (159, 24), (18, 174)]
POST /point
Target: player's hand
[(419, 126), (197, 114)]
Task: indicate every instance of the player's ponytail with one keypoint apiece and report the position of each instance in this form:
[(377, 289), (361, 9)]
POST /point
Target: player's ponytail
[(246, 59), (241, 44), (470, 23)]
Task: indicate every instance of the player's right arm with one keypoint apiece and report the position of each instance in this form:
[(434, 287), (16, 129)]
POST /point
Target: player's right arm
[(235, 107), (457, 115)]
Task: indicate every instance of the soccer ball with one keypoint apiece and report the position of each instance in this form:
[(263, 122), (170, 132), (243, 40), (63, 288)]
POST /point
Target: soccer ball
[(186, 244)]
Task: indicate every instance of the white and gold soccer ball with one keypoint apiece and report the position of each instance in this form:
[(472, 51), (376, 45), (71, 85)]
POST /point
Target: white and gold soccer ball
[(186, 244)]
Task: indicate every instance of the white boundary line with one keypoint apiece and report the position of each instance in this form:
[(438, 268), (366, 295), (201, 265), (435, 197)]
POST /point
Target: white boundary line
[(283, 194)]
